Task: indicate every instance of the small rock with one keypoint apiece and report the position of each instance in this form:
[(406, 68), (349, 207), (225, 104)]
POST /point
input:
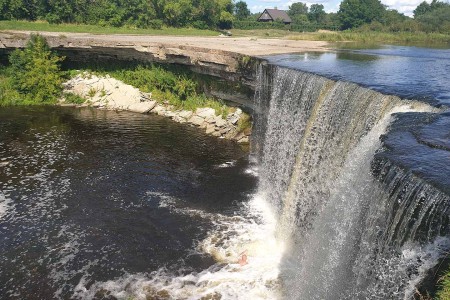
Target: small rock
[(243, 140), (220, 122), (179, 119), (146, 96), (225, 130), (239, 136), (196, 120), (159, 109), (210, 120), (210, 129), (4, 163), (216, 133), (205, 112), (233, 118), (142, 107), (185, 114), (170, 114)]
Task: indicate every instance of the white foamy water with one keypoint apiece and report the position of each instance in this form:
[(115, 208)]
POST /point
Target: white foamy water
[(4, 205), (252, 231)]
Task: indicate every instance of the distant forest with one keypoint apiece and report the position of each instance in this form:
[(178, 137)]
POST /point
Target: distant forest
[(211, 14)]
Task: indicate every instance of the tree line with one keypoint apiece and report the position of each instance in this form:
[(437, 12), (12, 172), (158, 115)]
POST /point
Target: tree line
[(200, 14), (210, 14)]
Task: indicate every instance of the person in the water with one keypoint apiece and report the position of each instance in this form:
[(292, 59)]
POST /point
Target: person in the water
[(243, 258)]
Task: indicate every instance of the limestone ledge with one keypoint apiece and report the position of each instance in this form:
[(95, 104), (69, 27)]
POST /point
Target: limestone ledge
[(112, 94)]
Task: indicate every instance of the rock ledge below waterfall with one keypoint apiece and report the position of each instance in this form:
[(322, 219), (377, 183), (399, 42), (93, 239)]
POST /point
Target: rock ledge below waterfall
[(112, 94)]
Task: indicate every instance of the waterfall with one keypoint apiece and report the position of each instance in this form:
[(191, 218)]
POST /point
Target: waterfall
[(355, 228)]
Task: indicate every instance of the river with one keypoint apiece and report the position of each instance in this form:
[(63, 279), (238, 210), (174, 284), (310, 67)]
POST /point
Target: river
[(345, 194)]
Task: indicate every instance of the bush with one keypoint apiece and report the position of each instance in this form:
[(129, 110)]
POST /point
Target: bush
[(155, 24), (35, 72), (444, 290), (200, 25)]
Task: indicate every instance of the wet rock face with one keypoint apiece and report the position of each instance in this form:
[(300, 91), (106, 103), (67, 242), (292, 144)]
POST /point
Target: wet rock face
[(109, 93)]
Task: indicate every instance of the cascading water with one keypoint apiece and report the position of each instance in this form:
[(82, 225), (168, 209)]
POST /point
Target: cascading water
[(351, 232)]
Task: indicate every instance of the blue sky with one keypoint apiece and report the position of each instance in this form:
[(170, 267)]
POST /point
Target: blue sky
[(403, 6)]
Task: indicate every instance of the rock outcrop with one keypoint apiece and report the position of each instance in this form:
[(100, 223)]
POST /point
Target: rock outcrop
[(110, 93)]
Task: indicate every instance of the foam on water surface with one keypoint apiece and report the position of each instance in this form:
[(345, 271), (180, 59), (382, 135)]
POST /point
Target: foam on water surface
[(252, 231)]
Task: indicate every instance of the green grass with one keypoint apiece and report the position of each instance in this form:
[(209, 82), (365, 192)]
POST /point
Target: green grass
[(176, 88), (444, 287), (8, 94), (95, 29), (349, 36), (375, 37), (73, 98)]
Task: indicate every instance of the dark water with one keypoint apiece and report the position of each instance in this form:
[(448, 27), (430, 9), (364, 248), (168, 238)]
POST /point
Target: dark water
[(409, 72), (92, 195)]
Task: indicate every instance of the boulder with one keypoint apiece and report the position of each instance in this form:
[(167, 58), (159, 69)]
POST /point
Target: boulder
[(243, 140), (220, 122), (142, 107), (205, 112), (210, 129), (196, 120), (186, 114)]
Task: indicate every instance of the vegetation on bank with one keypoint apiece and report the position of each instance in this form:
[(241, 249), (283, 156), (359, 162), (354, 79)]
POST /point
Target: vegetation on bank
[(202, 17), (33, 76), (146, 14), (444, 287), (375, 37), (366, 37), (167, 86)]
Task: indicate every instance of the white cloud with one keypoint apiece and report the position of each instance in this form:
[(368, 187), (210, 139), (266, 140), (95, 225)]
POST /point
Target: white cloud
[(404, 6)]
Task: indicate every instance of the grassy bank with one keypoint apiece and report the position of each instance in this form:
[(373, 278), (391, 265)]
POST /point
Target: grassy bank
[(350, 36), (167, 85), (96, 29), (34, 76), (376, 37), (444, 287)]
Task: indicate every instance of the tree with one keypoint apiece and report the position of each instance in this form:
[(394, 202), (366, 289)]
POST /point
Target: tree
[(421, 9), (297, 8), (316, 13), (424, 8), (226, 20), (36, 71), (354, 13), (392, 16), (241, 10), (436, 20)]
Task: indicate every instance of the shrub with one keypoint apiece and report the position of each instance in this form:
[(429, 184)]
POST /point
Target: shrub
[(36, 72), (155, 24), (73, 98), (444, 290)]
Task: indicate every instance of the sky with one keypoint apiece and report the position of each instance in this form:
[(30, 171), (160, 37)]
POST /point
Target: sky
[(403, 6)]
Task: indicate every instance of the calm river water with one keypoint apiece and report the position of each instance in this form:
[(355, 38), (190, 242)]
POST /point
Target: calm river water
[(409, 72)]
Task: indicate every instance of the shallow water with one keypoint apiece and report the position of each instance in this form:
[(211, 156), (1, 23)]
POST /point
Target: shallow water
[(89, 197)]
